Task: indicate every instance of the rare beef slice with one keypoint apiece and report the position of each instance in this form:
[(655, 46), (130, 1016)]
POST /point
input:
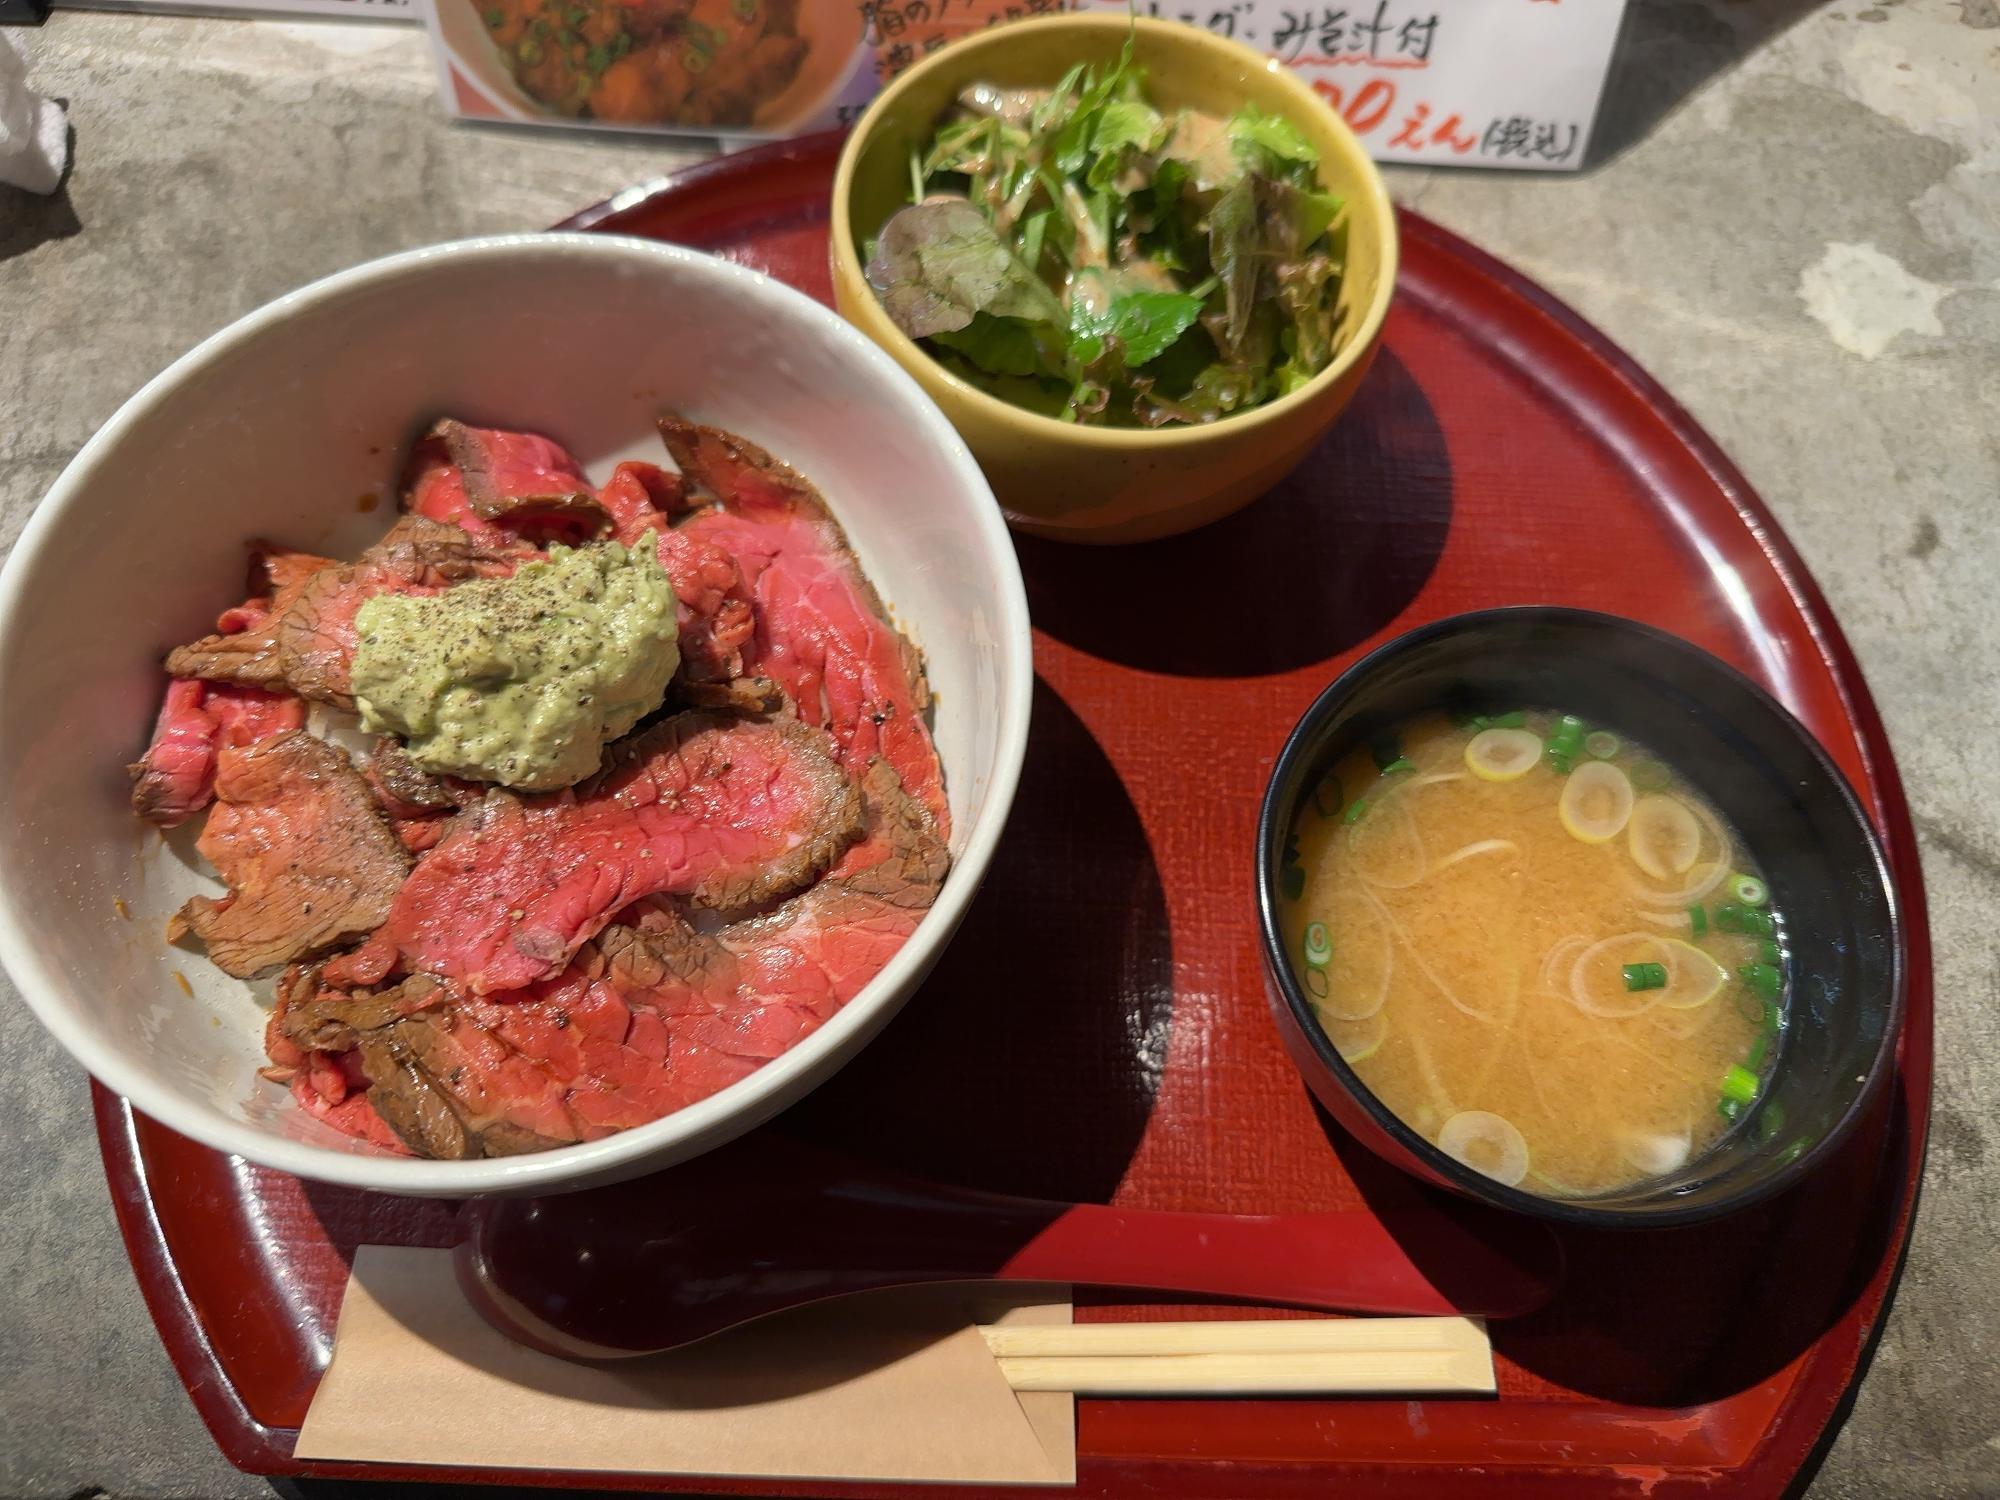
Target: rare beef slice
[(820, 631), (724, 810), (734, 998), (503, 485), (308, 861), (175, 778), (305, 642), (650, 1017)]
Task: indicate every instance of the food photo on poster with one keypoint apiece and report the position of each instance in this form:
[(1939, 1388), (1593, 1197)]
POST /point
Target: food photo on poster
[(1497, 83), (908, 747)]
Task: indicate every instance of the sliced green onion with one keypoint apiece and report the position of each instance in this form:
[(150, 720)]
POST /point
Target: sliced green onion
[(1318, 946), (1773, 1018), (1645, 976), (1760, 1048), (1768, 950), (1749, 890), (1569, 732), (1387, 751), (1763, 978), (1729, 1109), (1565, 743), (1740, 1084), (1601, 743), (1728, 917), (1400, 763), (1354, 810), (1698, 920), (1512, 720), (1757, 923), (1292, 881), (1750, 1007)]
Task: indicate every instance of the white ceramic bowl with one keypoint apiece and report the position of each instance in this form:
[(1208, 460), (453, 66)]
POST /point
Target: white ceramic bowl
[(276, 427)]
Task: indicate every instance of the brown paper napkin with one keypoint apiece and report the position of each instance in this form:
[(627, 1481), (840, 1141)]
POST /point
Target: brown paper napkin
[(889, 1387)]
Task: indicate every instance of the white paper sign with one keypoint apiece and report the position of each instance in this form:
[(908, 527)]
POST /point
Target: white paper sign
[(1469, 83), (1475, 83), (357, 10)]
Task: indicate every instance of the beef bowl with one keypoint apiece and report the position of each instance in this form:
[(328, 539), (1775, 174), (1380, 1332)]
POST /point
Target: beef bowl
[(631, 686)]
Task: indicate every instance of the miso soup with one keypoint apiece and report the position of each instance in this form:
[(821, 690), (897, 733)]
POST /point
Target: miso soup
[(1538, 945)]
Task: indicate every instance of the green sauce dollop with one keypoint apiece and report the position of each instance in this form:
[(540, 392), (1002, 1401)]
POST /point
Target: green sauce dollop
[(521, 680)]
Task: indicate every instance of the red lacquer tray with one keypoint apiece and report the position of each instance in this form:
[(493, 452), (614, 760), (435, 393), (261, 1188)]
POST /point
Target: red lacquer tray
[(1098, 1030)]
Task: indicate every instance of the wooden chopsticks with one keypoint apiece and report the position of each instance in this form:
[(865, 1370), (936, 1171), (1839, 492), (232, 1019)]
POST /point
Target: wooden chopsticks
[(1344, 1356)]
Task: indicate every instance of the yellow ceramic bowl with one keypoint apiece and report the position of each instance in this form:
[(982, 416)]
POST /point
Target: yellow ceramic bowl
[(1111, 484)]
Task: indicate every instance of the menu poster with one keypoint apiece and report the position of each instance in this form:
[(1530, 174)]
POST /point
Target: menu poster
[(1470, 83), (353, 10), (1481, 83)]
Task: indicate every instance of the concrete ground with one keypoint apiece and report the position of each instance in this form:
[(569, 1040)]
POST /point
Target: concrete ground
[(1793, 220)]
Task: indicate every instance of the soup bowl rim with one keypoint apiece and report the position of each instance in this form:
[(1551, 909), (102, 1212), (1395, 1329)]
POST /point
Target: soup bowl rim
[(1274, 822)]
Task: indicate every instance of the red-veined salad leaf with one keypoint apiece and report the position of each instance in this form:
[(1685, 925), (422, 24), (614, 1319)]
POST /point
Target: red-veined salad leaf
[(939, 263)]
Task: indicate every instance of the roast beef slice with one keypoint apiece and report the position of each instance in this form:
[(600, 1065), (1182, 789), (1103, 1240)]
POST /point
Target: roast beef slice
[(308, 861)]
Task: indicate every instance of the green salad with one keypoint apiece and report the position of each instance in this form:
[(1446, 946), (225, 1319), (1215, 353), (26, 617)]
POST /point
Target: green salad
[(1079, 252)]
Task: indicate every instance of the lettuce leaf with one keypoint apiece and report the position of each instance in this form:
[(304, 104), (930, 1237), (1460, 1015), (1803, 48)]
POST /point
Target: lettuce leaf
[(1234, 238), (1124, 126), (1127, 123), (1217, 391), (1026, 392), (939, 264), (999, 346), (1034, 230), (1253, 134), (1055, 108), (1313, 214), (1136, 326), (1308, 295), (1071, 148)]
